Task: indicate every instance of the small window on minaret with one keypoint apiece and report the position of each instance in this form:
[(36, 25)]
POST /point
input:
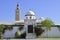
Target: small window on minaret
[(17, 8)]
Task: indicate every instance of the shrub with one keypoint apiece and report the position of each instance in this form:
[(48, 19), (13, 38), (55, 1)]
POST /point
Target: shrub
[(17, 34), (23, 35), (38, 31)]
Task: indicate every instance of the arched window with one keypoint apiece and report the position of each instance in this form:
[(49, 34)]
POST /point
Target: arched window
[(30, 17)]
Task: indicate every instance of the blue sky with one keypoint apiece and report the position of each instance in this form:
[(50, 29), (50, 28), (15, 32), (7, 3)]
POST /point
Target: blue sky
[(42, 8)]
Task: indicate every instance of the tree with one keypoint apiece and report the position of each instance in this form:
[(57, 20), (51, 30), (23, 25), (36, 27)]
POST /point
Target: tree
[(47, 23), (38, 31), (10, 28), (1, 29)]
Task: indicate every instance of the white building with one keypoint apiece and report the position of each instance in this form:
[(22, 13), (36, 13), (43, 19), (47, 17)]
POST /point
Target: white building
[(29, 22)]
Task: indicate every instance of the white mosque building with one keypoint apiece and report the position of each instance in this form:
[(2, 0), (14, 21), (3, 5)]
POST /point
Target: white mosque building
[(29, 22)]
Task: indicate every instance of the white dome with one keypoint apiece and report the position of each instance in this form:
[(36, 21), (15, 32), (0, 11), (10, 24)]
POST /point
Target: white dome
[(30, 13), (41, 19)]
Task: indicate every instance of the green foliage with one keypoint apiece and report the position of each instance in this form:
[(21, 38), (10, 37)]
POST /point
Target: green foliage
[(18, 33), (23, 35), (38, 31), (10, 28), (47, 23), (2, 27)]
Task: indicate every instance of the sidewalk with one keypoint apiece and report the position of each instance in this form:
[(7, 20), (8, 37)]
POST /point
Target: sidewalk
[(35, 39)]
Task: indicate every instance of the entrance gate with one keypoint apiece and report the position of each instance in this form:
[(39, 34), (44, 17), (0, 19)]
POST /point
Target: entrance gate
[(30, 28)]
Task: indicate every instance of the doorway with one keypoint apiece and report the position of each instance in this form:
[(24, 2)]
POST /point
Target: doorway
[(30, 28)]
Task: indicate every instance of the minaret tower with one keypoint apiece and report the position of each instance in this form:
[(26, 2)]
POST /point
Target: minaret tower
[(17, 15)]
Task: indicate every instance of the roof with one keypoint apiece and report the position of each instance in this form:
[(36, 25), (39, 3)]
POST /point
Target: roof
[(30, 13), (11, 22)]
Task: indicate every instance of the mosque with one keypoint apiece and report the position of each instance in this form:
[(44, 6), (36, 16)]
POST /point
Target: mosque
[(28, 23)]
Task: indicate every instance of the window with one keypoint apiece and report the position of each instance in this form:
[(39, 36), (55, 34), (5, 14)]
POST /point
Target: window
[(30, 17)]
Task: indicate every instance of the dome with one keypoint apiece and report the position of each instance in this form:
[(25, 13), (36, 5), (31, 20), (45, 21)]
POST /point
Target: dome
[(41, 19), (30, 13)]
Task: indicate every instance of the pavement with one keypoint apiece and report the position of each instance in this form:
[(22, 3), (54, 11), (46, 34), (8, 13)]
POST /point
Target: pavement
[(35, 39)]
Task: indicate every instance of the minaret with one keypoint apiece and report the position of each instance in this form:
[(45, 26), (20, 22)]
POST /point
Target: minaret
[(17, 15)]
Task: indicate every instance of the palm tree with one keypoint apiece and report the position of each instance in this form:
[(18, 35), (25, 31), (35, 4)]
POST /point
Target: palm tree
[(47, 23)]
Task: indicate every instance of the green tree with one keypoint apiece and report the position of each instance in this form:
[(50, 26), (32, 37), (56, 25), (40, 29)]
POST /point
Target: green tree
[(1, 29), (47, 23), (10, 28)]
